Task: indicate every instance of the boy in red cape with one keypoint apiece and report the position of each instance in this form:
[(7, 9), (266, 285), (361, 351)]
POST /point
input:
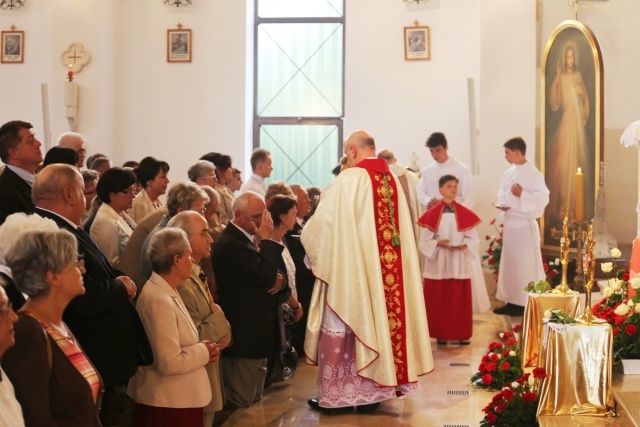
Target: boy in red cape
[(449, 241)]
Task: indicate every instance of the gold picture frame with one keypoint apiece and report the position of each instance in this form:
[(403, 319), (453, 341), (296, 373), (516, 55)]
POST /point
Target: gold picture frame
[(572, 133), (12, 46), (179, 45), (417, 43)]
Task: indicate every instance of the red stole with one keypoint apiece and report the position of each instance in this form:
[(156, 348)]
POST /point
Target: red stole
[(466, 219), (385, 202)]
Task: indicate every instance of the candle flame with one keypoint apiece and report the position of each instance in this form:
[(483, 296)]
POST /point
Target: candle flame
[(579, 170)]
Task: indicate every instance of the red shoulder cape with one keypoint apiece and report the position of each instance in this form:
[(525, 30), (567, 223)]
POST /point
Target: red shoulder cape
[(466, 219)]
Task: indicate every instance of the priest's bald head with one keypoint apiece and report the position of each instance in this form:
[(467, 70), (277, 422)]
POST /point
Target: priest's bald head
[(359, 146)]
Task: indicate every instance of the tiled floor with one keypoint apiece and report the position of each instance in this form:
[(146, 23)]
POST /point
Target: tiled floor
[(430, 406), (286, 405)]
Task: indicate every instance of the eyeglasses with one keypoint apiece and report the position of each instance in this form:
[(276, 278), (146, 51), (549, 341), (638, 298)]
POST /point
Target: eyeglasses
[(4, 312), (210, 177), (131, 191), (78, 264)]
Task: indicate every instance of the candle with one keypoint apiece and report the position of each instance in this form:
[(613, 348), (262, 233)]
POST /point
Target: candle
[(579, 197)]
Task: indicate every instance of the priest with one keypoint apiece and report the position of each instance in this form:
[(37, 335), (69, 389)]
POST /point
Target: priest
[(522, 197), (367, 328)]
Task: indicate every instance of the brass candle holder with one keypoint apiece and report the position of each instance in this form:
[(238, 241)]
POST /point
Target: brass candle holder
[(589, 263), (565, 243)]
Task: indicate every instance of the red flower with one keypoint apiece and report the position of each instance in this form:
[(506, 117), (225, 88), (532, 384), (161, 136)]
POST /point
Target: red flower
[(489, 251), (523, 378), (631, 329), (506, 353), (616, 331), (487, 379), (482, 367), (491, 367), (493, 221), (529, 396), (495, 345), (517, 328), (487, 237), (491, 418), (486, 359), (508, 394), (619, 319), (501, 407), (625, 276), (494, 357), (553, 274), (545, 267), (512, 341), (539, 373), (505, 366), (491, 261), (507, 335), (499, 240)]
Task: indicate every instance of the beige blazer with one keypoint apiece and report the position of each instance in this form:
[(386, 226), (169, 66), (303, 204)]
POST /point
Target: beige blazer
[(226, 201), (211, 325), (142, 206), (177, 378), (111, 233)]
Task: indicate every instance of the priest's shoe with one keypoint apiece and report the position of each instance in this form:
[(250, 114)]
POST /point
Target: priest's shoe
[(367, 409), (315, 405)]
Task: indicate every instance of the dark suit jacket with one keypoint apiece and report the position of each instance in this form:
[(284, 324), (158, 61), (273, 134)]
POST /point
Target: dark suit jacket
[(243, 276), (103, 320), (15, 195), (304, 283), (53, 394)]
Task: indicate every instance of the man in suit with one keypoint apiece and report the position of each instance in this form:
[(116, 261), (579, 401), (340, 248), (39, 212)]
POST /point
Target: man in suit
[(245, 263), (103, 319), (304, 277), (206, 315), (20, 151)]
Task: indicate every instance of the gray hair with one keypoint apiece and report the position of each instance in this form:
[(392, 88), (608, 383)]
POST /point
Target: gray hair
[(182, 195), (241, 202), (90, 175), (164, 245), (61, 176), (214, 196), (66, 139), (36, 253), (17, 224), (200, 169), (184, 221)]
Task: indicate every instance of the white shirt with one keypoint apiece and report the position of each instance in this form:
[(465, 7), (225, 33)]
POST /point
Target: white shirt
[(428, 187), (27, 176), (254, 183), (11, 412), (111, 232)]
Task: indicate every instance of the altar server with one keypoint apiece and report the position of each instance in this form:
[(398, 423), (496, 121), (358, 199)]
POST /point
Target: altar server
[(522, 197)]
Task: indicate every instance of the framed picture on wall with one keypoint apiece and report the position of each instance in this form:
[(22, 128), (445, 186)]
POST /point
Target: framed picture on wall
[(179, 45), (417, 43), (12, 47), (572, 135)]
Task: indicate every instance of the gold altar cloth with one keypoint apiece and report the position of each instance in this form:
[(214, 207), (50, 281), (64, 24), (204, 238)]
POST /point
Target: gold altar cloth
[(578, 360), (537, 304)]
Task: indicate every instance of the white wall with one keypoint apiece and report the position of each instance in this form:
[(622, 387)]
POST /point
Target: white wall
[(133, 103)]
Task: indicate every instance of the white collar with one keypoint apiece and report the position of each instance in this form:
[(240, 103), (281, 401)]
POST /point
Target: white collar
[(26, 175)]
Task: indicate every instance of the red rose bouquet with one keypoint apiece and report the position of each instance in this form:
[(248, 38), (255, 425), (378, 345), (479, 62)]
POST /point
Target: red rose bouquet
[(501, 365), (516, 404), (491, 259)]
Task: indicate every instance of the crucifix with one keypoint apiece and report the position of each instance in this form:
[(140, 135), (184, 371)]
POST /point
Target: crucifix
[(13, 28), (179, 26), (74, 57)]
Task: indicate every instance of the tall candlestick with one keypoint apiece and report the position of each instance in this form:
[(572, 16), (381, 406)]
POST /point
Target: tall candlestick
[(579, 197)]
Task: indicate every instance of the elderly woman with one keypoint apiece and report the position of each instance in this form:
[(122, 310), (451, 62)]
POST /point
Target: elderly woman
[(152, 176), (174, 390), (112, 226), (54, 381)]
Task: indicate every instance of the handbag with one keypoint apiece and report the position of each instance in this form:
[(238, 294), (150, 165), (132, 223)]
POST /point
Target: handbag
[(286, 361)]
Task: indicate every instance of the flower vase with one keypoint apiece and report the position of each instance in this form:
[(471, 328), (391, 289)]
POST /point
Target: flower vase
[(631, 366)]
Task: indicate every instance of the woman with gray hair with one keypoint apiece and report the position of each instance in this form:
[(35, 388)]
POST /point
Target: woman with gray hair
[(174, 390), (54, 380)]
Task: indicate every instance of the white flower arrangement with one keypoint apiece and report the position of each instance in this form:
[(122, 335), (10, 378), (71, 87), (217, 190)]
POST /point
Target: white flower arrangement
[(621, 310), (606, 267), (615, 253)]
